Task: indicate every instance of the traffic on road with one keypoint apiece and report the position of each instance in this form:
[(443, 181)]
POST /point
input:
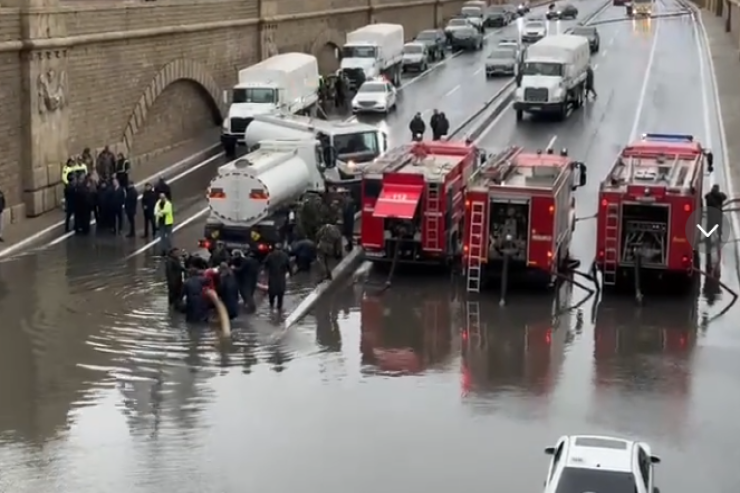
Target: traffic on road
[(112, 387)]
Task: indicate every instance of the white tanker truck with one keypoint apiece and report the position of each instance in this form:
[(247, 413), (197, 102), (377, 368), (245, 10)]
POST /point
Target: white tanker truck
[(250, 198)]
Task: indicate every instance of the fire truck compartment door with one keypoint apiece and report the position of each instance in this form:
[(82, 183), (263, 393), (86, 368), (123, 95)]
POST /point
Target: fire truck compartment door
[(398, 201)]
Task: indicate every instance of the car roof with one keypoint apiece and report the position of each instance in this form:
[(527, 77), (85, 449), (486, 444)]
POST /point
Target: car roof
[(599, 452)]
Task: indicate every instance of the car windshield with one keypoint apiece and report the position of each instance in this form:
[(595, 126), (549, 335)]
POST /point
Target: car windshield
[(595, 480), (363, 142), (543, 68), (457, 22), (413, 49), (582, 31), (373, 87), (502, 54), (427, 35), (254, 95), (471, 12), (535, 25)]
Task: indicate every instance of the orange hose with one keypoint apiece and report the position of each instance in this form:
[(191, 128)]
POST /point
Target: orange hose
[(223, 315)]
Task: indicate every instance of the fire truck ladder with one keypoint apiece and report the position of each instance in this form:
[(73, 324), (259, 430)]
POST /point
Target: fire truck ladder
[(432, 217), (476, 243), (611, 247), (473, 327)]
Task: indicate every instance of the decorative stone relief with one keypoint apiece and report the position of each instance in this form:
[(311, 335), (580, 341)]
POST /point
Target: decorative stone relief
[(52, 86), (269, 47)]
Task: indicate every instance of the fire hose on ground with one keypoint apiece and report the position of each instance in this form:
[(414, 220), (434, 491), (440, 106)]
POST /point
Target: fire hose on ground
[(224, 323)]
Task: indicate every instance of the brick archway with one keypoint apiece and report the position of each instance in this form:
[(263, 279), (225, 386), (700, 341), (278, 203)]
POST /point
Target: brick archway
[(323, 49), (180, 69)]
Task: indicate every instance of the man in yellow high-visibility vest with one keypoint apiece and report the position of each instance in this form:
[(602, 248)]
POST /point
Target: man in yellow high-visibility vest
[(165, 219)]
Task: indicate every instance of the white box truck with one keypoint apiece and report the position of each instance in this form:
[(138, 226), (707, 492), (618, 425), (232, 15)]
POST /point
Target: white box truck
[(287, 83), (372, 51), (553, 76)]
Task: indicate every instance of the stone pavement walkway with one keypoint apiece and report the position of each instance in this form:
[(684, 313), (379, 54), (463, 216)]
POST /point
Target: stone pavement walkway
[(190, 152), (726, 59)]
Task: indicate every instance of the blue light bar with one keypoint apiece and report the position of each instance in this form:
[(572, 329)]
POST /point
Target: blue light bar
[(668, 137)]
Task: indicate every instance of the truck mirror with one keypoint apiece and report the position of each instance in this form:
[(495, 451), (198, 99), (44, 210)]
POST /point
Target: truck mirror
[(710, 161), (584, 175)]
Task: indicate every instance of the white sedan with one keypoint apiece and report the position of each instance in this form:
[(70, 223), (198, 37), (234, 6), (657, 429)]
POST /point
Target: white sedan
[(375, 96), (600, 464)]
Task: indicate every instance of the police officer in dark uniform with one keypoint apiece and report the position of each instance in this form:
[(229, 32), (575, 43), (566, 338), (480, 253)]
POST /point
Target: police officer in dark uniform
[(130, 205), (434, 124), (417, 127), (174, 272), (277, 266), (148, 203), (118, 202)]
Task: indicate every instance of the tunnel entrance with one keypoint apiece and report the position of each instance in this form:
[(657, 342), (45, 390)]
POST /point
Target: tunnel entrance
[(183, 111), (328, 57)]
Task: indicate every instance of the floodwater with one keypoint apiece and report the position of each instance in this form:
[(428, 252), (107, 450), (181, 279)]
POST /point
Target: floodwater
[(422, 387)]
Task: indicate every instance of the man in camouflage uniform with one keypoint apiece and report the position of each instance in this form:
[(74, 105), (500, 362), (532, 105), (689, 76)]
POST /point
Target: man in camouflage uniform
[(329, 244)]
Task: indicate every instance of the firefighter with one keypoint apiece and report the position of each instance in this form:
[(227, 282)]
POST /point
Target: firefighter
[(714, 201), (417, 127)]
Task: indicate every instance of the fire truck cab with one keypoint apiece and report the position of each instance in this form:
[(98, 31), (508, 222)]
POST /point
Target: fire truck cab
[(646, 202), (519, 212), (412, 202)]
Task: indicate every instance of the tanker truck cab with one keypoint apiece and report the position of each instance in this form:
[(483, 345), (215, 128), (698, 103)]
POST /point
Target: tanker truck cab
[(553, 76), (251, 199), (372, 51), (287, 82)]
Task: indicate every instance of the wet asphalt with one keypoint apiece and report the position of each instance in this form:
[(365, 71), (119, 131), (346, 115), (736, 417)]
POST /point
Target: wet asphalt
[(103, 389)]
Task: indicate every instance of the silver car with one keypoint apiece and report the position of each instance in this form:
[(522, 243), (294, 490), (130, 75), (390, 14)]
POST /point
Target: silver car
[(502, 61), (534, 31), (415, 57)]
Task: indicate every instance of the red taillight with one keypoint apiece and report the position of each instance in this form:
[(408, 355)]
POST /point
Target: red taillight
[(262, 247), (551, 209), (204, 244), (604, 202), (687, 208)]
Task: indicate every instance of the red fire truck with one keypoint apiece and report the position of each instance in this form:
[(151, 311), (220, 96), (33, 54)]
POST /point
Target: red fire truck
[(519, 208), (518, 350), (412, 202), (646, 202), (418, 335)]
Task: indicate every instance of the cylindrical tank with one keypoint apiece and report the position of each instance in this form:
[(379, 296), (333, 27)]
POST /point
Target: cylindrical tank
[(243, 193), (258, 131)]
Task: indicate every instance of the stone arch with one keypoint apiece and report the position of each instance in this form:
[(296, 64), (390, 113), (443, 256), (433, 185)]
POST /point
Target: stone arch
[(325, 48), (177, 70)]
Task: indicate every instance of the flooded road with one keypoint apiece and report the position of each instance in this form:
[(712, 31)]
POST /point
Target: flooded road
[(104, 390)]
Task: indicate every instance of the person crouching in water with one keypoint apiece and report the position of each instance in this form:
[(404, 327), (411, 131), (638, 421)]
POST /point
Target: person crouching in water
[(277, 266), (196, 306), (304, 252), (228, 290)]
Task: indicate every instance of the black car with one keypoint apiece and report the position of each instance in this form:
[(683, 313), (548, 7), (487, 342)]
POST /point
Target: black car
[(565, 12), (497, 16), (522, 9), (435, 40), (590, 33)]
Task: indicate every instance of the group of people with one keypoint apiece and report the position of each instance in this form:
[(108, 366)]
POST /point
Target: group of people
[(333, 91), (438, 123), (106, 193), (311, 234)]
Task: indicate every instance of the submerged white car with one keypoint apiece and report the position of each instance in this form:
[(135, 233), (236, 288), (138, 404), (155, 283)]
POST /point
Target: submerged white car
[(375, 96), (582, 463)]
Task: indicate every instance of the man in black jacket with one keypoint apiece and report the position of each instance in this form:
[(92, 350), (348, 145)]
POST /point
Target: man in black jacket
[(148, 203), (132, 200), (417, 127), (118, 201)]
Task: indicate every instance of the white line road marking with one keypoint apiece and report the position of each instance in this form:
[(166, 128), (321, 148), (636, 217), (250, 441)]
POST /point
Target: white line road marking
[(176, 228), (453, 90), (551, 144), (645, 82), (603, 53), (704, 232), (478, 71), (596, 66)]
